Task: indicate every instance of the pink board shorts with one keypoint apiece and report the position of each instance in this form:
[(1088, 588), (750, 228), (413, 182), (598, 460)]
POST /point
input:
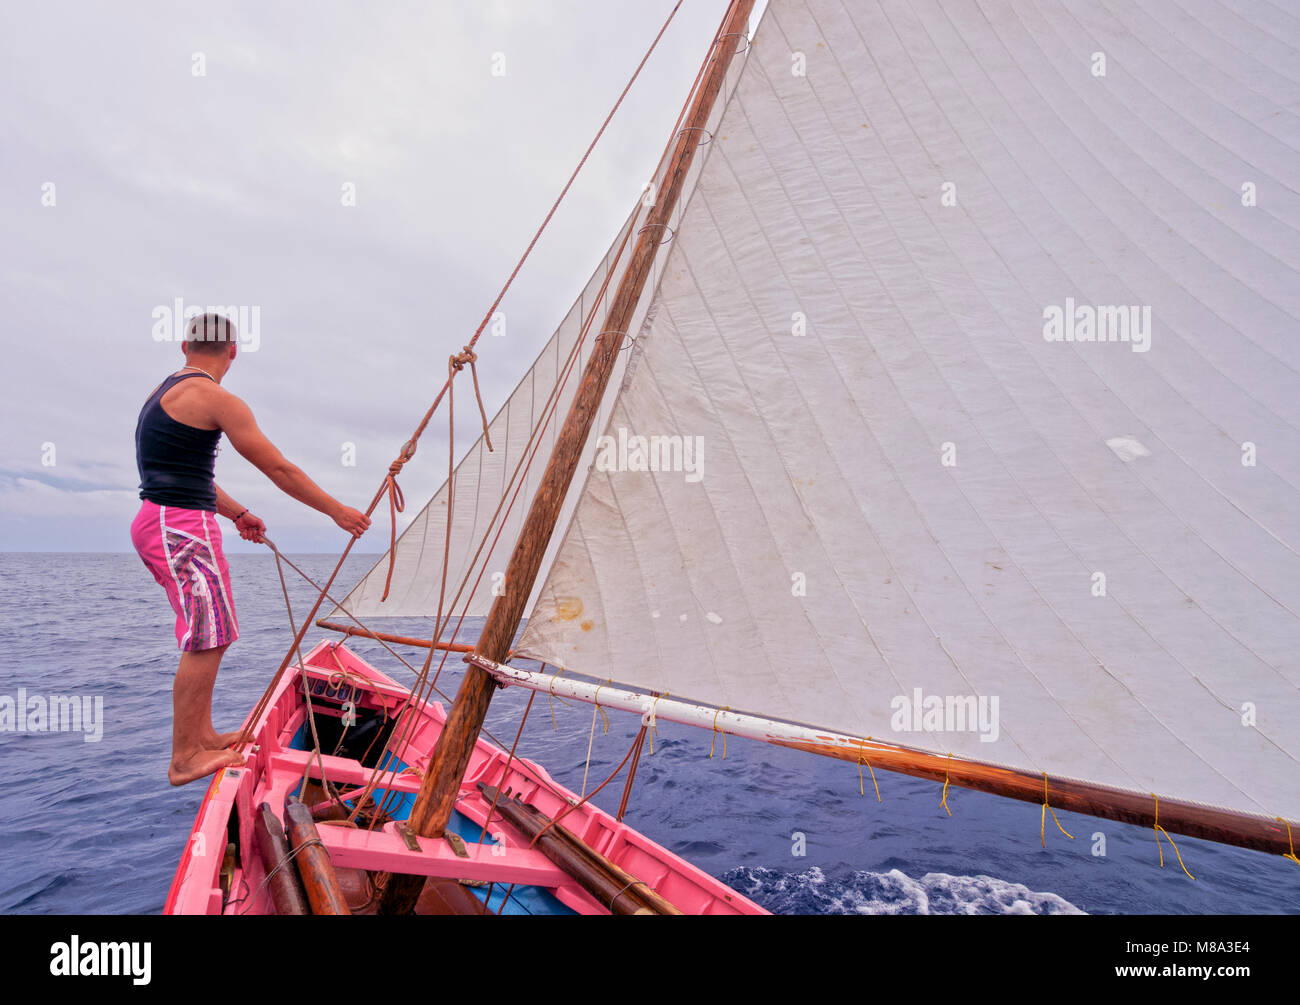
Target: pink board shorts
[(182, 548)]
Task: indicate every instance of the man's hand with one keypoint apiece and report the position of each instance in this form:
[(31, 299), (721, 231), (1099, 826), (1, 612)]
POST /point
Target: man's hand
[(250, 527), (352, 520)]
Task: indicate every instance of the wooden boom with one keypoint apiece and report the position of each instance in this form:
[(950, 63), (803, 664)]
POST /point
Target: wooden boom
[(1174, 816)]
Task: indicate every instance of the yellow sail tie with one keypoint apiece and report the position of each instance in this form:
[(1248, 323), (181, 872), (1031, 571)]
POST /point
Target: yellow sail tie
[(944, 801), (724, 708), (604, 714), (1291, 854), (862, 759), (1160, 830), (1042, 827), (654, 723), (550, 697)]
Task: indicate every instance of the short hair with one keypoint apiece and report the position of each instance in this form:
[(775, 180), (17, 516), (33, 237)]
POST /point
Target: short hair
[(210, 333)]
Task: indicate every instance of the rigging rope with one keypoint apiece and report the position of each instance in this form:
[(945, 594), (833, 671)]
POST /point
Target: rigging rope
[(1042, 825), (1160, 830), (423, 687)]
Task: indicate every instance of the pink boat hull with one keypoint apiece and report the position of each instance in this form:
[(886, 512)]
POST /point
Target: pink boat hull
[(275, 769)]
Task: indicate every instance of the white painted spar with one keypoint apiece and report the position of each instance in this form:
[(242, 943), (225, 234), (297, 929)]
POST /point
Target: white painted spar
[(652, 708)]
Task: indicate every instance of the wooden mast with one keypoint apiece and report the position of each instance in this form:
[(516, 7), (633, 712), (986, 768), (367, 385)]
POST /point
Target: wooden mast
[(451, 754)]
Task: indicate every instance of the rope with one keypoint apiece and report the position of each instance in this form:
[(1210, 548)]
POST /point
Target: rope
[(862, 759), (422, 686), (390, 483), (394, 771), (1160, 830), (396, 504), (1291, 854), (1042, 827), (624, 890), (653, 722), (943, 801), (595, 711), (456, 364), (279, 865), (551, 699), (529, 455), (713, 742), (631, 773), (306, 690), (504, 773), (585, 798)]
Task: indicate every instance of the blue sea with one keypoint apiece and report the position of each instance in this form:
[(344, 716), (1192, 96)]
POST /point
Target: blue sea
[(94, 827)]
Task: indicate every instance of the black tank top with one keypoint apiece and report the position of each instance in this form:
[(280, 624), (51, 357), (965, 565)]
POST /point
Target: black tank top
[(176, 461)]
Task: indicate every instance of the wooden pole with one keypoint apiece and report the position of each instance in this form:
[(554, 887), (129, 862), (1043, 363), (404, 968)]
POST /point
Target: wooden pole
[(610, 885), (442, 781), (405, 640), (314, 866), (1174, 816), (286, 888)]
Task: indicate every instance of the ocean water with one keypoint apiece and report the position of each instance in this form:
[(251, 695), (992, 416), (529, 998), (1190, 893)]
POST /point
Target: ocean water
[(94, 827)]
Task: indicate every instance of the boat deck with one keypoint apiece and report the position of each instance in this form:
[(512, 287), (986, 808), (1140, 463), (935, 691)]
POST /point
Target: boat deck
[(221, 873)]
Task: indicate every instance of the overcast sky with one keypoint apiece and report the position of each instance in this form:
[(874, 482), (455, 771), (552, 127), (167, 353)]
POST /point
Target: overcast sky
[(226, 188)]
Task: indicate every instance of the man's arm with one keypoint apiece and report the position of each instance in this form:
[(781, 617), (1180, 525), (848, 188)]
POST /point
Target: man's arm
[(227, 506), (236, 420), (250, 527)]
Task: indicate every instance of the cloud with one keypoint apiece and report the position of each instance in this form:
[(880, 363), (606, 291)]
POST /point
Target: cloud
[(226, 189)]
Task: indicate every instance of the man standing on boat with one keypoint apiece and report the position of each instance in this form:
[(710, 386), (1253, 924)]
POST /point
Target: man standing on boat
[(177, 535)]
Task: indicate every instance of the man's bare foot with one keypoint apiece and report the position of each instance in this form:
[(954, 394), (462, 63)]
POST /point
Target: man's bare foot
[(201, 764), (220, 741)]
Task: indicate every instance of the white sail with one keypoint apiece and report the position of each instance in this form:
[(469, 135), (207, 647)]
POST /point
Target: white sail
[(483, 477), (908, 490)]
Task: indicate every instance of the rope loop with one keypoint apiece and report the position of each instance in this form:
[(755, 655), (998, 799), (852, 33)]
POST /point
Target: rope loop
[(1291, 854), (653, 723), (724, 708), (466, 355), (396, 504), (403, 455), (735, 34), (671, 233), (698, 129), (1158, 830), (862, 759), (1042, 824), (457, 363)]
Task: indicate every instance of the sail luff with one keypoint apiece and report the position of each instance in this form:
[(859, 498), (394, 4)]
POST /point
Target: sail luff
[(434, 805)]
